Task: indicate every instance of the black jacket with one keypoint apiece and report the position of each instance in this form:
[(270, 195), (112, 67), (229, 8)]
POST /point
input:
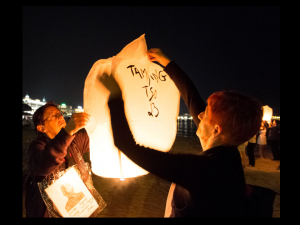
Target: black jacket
[(274, 133), (46, 156)]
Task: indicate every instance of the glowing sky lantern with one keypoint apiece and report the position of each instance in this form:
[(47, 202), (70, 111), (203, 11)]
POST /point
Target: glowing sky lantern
[(268, 112), (151, 102)]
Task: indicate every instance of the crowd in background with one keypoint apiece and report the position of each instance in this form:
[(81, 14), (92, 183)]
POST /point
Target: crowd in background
[(268, 135)]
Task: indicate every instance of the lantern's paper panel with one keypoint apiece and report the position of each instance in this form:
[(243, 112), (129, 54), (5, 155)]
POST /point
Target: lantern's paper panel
[(268, 113), (71, 196), (151, 102)]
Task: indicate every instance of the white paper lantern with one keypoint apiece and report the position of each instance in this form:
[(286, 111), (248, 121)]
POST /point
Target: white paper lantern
[(268, 112), (151, 102)]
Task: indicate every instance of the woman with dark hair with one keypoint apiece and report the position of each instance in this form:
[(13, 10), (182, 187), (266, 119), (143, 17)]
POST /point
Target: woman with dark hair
[(212, 183), (50, 151)]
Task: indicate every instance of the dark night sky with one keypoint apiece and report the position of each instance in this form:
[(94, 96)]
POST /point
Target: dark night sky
[(220, 48)]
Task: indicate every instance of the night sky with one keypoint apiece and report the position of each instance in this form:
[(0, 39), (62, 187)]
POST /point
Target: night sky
[(220, 48)]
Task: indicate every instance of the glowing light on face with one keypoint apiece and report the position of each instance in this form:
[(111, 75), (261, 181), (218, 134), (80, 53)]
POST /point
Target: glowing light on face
[(53, 121), (151, 102)]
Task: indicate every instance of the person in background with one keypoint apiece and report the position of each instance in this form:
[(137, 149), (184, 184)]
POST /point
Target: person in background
[(242, 149), (262, 140), (24, 122), (27, 124), (212, 183), (50, 151), (250, 150), (273, 139), (267, 124)]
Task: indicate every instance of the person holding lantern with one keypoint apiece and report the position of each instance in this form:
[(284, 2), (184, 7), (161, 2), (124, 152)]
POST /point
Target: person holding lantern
[(212, 183), (262, 139), (50, 153)]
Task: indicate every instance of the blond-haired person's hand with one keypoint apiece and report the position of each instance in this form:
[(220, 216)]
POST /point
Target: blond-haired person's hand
[(155, 54)]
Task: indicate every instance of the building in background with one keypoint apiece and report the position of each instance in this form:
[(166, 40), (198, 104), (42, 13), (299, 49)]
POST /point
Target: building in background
[(79, 109), (67, 109), (185, 116), (37, 103), (33, 103), (275, 117)]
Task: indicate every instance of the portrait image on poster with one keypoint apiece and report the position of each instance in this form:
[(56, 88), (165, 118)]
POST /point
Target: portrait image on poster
[(73, 198)]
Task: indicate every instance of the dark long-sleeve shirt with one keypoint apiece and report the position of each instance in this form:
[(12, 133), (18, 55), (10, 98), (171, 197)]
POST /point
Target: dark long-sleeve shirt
[(274, 133), (187, 90), (210, 184), (47, 156)]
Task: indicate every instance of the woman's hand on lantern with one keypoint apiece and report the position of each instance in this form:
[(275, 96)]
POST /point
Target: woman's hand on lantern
[(111, 84), (76, 122), (155, 54)]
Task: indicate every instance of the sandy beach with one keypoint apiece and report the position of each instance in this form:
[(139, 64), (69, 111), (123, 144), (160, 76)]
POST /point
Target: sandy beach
[(145, 196)]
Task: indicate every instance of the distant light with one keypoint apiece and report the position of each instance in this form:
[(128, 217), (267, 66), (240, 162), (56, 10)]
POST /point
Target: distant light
[(79, 107), (31, 101), (63, 104), (79, 110)]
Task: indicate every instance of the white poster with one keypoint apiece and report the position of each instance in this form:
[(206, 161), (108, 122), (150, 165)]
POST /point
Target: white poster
[(71, 196)]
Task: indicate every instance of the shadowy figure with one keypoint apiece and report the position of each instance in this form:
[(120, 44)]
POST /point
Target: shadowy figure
[(242, 150), (273, 139), (250, 150), (24, 123)]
